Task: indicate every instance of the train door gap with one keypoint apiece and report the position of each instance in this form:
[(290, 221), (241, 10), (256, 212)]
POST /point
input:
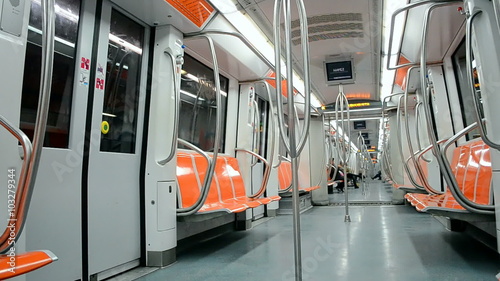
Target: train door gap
[(142, 175), (86, 148)]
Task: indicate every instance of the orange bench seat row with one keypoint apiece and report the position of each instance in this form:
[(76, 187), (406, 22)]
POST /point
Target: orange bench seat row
[(227, 190), (471, 166), (285, 177), (19, 264)]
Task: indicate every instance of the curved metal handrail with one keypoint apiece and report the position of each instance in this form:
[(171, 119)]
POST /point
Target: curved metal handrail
[(205, 188), (277, 52), (400, 139), (273, 125), (419, 155), (391, 29), (452, 181), (267, 172), (211, 167), (417, 130), (475, 97), (256, 131), (426, 90), (342, 108), (48, 36), (291, 147), (21, 186), (304, 30), (385, 156), (176, 62)]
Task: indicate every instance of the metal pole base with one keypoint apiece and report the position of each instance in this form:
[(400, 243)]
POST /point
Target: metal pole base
[(347, 218)]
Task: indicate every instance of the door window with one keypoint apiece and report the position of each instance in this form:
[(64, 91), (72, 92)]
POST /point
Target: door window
[(121, 96)]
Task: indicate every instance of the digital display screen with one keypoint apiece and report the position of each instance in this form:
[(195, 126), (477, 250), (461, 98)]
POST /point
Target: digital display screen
[(367, 142), (359, 125), (364, 135), (339, 71)]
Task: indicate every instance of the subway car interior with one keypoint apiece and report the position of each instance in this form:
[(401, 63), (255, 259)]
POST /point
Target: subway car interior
[(249, 139)]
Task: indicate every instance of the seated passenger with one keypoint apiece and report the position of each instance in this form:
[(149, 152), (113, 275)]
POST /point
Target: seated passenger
[(336, 177)]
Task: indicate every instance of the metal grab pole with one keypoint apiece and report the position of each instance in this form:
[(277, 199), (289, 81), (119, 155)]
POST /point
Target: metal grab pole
[(345, 149), (176, 62), (293, 147), (292, 142), (211, 165)]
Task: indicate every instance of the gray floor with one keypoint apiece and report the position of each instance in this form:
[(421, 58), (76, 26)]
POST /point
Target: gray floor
[(381, 243), (371, 191)]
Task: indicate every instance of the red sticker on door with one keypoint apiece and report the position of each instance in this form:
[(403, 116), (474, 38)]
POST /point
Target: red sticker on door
[(99, 84), (85, 63)]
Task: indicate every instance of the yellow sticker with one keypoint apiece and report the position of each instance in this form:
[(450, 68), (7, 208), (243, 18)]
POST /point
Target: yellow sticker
[(104, 127)]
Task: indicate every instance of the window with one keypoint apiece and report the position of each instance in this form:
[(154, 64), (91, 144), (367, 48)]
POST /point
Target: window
[(66, 30), (197, 117), (121, 97), (464, 94)]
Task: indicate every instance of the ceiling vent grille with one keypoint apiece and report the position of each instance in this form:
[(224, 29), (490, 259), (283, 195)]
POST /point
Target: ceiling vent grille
[(326, 27)]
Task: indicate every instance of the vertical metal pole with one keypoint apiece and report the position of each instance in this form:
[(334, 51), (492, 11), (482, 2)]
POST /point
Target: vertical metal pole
[(344, 152), (293, 143)]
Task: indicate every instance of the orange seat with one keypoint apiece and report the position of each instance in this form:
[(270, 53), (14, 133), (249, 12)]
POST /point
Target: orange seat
[(285, 178), (471, 166), (227, 190), (18, 264)]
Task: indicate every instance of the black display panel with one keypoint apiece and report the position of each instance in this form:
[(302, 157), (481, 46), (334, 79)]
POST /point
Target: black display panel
[(359, 125), (339, 72)]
